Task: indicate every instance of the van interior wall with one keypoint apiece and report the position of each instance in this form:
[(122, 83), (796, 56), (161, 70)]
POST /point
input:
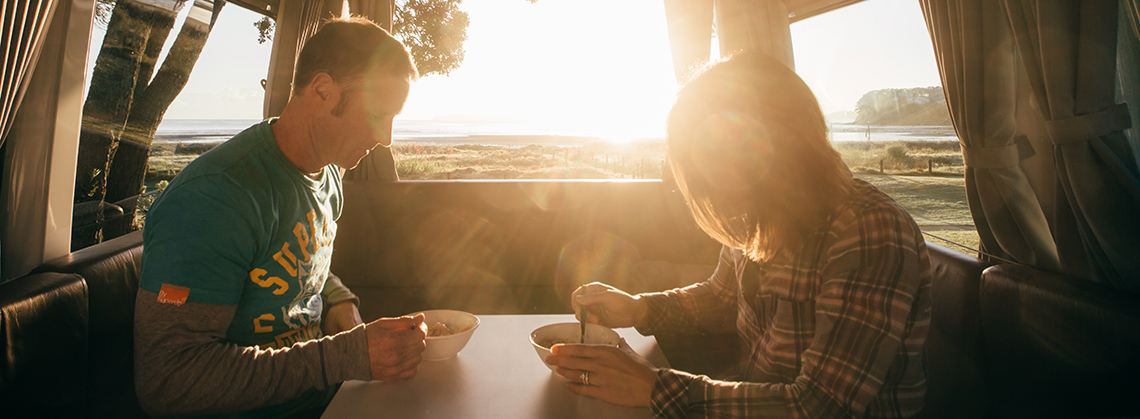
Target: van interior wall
[(499, 247)]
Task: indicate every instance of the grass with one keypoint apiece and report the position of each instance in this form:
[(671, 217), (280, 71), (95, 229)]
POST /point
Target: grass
[(925, 177)]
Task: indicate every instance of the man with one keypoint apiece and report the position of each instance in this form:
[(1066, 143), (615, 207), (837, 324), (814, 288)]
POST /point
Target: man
[(237, 311)]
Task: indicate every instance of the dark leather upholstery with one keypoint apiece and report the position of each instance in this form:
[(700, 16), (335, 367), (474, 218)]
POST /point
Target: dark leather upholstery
[(43, 327), (1057, 347), (954, 384), (112, 270)]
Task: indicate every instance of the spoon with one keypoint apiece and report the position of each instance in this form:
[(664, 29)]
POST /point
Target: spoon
[(582, 323)]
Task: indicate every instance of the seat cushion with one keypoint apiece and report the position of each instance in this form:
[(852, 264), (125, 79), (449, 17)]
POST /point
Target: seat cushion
[(1057, 346), (43, 328), (111, 270), (954, 386)]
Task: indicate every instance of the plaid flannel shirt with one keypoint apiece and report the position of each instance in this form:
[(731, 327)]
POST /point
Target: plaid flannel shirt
[(834, 330)]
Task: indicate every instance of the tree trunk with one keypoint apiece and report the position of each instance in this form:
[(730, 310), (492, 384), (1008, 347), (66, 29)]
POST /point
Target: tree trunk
[(120, 64), (150, 106), (124, 103)]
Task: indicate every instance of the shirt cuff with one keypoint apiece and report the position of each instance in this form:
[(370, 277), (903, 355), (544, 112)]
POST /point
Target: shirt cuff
[(669, 397), (345, 356), (655, 308)]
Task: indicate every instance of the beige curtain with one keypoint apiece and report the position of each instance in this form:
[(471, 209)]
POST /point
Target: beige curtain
[(1068, 50), (38, 180), (975, 53), (25, 23), (754, 25), (297, 20), (379, 165)]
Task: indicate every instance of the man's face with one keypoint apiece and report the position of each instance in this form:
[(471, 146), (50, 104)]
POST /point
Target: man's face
[(364, 119)]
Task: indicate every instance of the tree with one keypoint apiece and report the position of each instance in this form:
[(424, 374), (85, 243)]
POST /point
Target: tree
[(128, 99), (433, 31), (125, 104)]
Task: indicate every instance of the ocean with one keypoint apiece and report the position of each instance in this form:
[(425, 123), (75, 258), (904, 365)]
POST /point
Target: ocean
[(514, 133)]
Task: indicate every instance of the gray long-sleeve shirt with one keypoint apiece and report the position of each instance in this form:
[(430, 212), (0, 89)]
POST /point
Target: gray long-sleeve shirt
[(184, 366)]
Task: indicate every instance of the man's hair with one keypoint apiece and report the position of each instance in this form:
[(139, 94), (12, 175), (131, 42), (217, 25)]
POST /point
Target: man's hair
[(748, 146), (349, 49)]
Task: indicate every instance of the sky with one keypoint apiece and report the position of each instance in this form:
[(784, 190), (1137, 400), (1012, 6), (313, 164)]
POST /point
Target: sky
[(602, 63)]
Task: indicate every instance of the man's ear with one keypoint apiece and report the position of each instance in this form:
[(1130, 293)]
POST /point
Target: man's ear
[(324, 87)]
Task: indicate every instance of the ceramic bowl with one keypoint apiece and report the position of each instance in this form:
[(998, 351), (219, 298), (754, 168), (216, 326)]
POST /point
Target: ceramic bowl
[(546, 336), (460, 325)]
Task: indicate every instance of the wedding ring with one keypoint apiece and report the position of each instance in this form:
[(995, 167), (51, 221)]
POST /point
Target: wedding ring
[(585, 378)]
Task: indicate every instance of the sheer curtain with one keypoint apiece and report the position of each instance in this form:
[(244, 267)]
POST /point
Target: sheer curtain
[(25, 23), (1069, 52)]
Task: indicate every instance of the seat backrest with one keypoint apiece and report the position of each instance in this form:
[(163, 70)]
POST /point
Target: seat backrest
[(112, 270), (1056, 346), (954, 385), (43, 334)]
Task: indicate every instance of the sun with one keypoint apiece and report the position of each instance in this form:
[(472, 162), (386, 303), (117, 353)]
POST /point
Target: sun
[(596, 67)]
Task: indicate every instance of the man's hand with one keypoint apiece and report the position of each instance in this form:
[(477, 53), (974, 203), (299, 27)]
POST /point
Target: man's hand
[(395, 345), (340, 317), (615, 375), (609, 306)]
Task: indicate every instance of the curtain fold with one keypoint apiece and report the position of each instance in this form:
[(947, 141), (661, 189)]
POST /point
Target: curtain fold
[(1069, 52), (25, 25), (755, 25), (296, 22), (975, 54), (690, 24), (380, 164)]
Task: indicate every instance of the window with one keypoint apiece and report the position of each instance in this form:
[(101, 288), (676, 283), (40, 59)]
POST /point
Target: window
[(549, 90), (133, 138), (872, 68)]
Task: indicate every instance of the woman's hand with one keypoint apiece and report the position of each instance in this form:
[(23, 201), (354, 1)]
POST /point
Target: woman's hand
[(609, 306), (340, 317), (616, 375)]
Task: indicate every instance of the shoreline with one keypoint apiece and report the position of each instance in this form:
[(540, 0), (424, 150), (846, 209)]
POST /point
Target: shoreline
[(932, 136)]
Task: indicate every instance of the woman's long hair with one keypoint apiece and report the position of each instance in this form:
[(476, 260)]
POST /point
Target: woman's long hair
[(749, 149)]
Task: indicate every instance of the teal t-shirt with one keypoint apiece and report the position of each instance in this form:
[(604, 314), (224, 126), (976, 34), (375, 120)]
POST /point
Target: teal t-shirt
[(241, 225)]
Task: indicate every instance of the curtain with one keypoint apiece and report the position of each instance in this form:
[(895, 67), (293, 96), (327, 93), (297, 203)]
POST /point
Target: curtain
[(379, 165), (25, 23), (976, 59), (38, 179), (757, 25), (296, 22), (1068, 50), (1128, 63)]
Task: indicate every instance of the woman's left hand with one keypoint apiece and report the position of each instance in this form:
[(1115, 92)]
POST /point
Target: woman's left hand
[(616, 375)]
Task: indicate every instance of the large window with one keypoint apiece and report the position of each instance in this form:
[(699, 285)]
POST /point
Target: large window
[(872, 68), (549, 90), (150, 111)]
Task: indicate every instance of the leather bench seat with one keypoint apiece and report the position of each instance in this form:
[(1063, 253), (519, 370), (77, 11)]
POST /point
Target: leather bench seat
[(1056, 347), (68, 332), (43, 330), (954, 384)]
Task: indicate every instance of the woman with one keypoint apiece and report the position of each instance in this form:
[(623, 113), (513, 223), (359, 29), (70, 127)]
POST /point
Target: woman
[(824, 277)]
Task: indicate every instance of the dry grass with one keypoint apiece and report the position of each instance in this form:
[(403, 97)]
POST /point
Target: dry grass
[(925, 177)]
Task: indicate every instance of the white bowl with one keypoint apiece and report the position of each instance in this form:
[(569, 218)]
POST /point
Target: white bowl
[(569, 333), (440, 348)]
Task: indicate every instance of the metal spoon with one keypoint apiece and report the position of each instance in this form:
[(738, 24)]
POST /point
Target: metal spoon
[(582, 322)]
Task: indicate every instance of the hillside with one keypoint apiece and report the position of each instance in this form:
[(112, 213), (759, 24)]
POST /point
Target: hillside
[(913, 106)]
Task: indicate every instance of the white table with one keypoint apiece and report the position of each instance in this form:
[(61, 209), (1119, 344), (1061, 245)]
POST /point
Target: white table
[(497, 375)]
